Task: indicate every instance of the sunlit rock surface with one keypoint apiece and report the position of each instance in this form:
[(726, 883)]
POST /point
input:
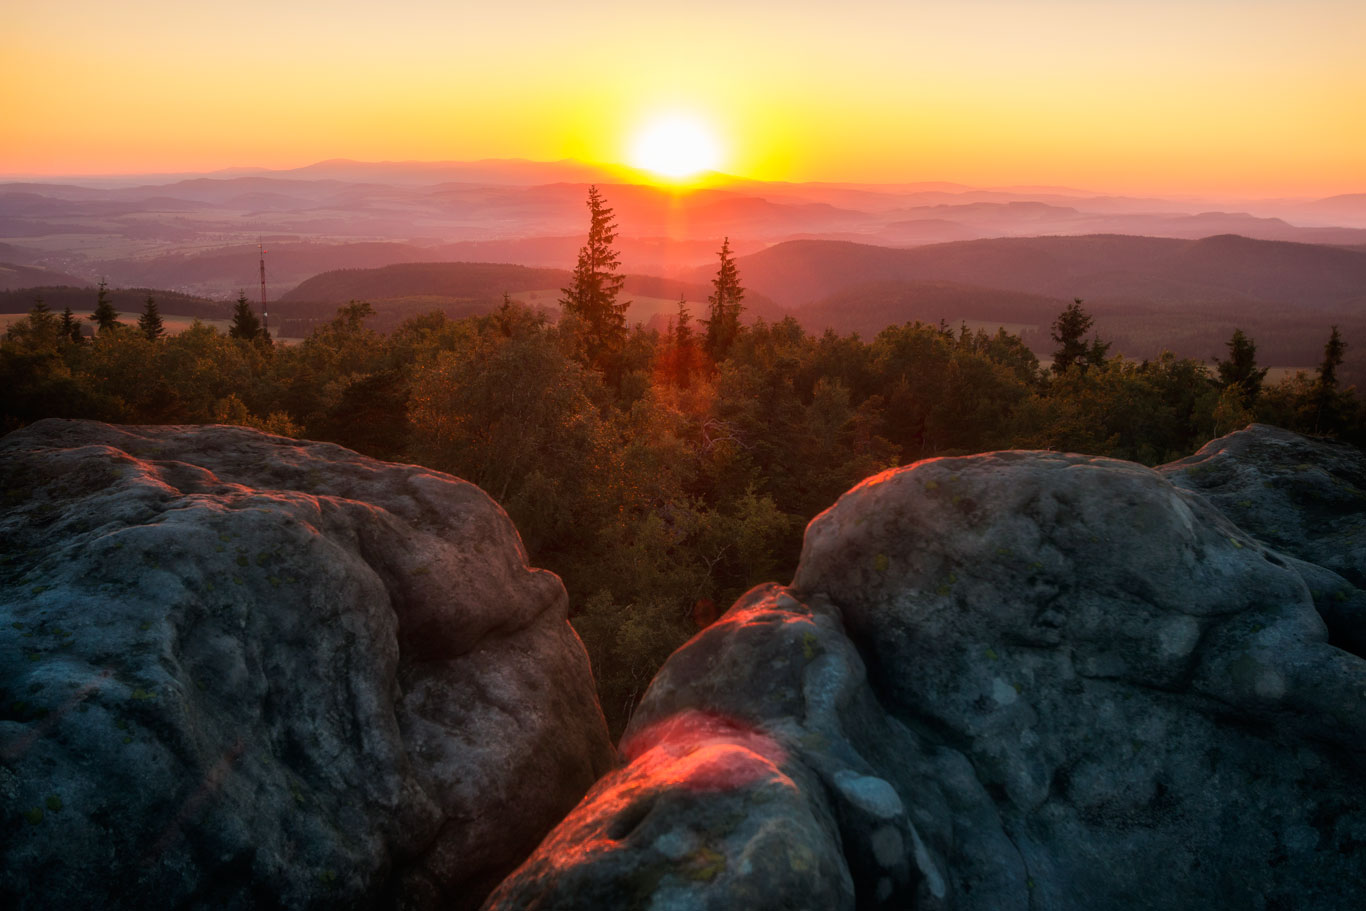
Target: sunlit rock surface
[(244, 671), (1009, 681)]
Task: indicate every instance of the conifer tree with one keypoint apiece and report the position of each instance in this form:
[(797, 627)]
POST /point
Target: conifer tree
[(70, 329), (1332, 359), (1069, 331), (245, 324), (1239, 370), (591, 297), (149, 323), (105, 316), (723, 323), (40, 316), (1327, 400), (682, 357)]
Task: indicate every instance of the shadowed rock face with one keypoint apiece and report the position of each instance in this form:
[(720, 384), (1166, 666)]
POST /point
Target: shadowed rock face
[(1306, 498), (245, 671), (1008, 681)]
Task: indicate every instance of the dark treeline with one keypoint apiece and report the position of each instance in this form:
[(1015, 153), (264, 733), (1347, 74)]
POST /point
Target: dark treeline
[(661, 474), (59, 297)]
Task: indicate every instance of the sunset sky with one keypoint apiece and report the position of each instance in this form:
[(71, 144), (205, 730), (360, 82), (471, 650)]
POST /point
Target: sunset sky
[(1197, 96)]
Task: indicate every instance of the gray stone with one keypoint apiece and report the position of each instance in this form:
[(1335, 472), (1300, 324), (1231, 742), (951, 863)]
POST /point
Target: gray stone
[(1008, 681), (1307, 499), (245, 671)]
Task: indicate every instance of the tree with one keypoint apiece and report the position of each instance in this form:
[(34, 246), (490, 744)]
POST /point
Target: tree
[(70, 327), (149, 323), (723, 323), (245, 325), (42, 319), (591, 298), (1239, 371), (105, 316), (1332, 359), (1327, 400), (1069, 331), (679, 359)]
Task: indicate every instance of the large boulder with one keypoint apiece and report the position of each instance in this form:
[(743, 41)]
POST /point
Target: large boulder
[(1304, 497), (246, 671), (1008, 681)]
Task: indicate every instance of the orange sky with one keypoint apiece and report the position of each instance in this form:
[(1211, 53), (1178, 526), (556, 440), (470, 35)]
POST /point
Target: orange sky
[(1199, 96)]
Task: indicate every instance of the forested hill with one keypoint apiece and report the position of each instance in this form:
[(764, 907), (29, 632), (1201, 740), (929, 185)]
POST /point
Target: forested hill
[(14, 277), (456, 280), (1158, 270), (127, 301)]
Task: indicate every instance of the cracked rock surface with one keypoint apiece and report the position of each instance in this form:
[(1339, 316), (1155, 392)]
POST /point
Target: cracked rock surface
[(244, 671), (1019, 680)]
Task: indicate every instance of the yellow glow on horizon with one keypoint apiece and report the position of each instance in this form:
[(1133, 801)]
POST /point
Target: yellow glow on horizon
[(1260, 97)]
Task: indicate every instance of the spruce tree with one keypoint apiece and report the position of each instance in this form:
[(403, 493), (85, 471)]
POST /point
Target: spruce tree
[(1239, 370), (723, 323), (1332, 359), (149, 323), (105, 316), (1069, 331), (1327, 400), (591, 297), (681, 358), (245, 324), (41, 317), (71, 327)]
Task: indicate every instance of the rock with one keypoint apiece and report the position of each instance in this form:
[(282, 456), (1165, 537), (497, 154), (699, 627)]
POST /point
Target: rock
[(245, 671), (1305, 498), (1007, 681)]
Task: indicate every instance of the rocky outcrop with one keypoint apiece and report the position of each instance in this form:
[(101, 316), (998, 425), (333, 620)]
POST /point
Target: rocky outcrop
[(243, 671), (1307, 499), (1008, 681)]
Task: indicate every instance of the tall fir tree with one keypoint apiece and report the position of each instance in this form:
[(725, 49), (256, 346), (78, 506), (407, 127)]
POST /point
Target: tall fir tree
[(681, 358), (70, 327), (149, 323), (245, 324), (1069, 331), (723, 321), (1327, 400), (1239, 370), (591, 298), (105, 317), (41, 316)]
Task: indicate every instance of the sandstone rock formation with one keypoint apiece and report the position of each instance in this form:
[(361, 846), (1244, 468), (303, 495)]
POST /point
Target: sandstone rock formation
[(1007, 681), (1307, 499), (243, 671)]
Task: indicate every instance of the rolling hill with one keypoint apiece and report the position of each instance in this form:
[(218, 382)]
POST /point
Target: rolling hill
[(1163, 271)]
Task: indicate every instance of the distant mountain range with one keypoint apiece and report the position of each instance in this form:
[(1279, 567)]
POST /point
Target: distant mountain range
[(1163, 271), (853, 257), (198, 233)]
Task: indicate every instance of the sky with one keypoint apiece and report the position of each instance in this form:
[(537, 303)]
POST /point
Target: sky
[(1253, 97)]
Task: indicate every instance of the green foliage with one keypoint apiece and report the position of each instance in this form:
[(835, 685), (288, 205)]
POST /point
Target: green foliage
[(590, 302), (1069, 331), (723, 320), (149, 323), (70, 328), (105, 317), (245, 324)]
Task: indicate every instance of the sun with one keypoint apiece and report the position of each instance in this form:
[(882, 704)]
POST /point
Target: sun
[(676, 146)]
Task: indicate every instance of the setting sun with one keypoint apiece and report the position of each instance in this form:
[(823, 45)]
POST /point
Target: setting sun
[(676, 146)]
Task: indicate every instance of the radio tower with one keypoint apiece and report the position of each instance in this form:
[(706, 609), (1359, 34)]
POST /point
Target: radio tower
[(265, 317)]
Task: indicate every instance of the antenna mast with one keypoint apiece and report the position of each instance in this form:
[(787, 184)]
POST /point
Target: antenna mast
[(265, 317)]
